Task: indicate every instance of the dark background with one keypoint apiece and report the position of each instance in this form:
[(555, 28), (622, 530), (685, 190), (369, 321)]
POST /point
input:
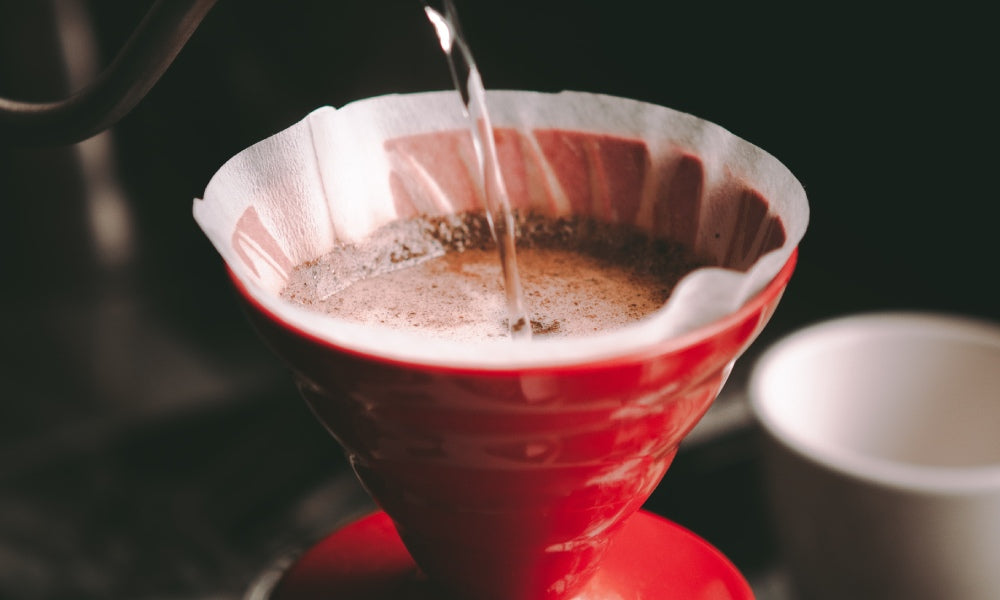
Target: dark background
[(150, 446)]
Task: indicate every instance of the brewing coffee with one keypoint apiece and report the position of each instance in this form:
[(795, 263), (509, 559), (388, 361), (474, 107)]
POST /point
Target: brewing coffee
[(441, 275)]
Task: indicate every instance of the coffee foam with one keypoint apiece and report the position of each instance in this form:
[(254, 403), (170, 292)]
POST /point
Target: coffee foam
[(442, 277), (340, 174)]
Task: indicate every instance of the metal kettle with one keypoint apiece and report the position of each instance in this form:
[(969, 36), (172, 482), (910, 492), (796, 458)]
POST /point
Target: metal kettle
[(146, 55)]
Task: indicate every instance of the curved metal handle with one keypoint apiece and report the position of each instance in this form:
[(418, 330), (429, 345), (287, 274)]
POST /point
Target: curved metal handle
[(140, 63)]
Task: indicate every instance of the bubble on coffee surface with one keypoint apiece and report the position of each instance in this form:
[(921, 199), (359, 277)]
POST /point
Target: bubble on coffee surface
[(440, 276)]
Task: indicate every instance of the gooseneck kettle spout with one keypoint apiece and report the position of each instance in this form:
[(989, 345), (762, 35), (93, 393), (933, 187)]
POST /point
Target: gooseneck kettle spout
[(146, 55)]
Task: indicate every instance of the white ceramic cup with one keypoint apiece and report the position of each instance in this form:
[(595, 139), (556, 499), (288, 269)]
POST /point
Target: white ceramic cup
[(883, 457)]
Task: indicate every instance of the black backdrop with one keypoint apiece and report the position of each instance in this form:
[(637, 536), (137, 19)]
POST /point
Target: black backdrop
[(886, 116)]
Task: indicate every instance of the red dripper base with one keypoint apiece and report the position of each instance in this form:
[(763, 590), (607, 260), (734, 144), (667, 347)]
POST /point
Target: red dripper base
[(650, 558)]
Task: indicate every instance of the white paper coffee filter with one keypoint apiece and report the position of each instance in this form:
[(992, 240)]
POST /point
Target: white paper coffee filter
[(339, 174)]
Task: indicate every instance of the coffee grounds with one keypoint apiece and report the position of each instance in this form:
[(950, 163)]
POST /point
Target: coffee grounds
[(441, 275)]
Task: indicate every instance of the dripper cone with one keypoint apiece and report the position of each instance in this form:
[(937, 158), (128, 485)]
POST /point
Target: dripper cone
[(508, 473)]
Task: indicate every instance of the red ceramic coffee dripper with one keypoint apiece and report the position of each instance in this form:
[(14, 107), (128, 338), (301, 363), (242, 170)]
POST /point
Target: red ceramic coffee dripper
[(510, 482)]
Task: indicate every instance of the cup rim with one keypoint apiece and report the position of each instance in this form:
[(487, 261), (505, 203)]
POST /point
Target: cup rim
[(773, 290), (943, 480)]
